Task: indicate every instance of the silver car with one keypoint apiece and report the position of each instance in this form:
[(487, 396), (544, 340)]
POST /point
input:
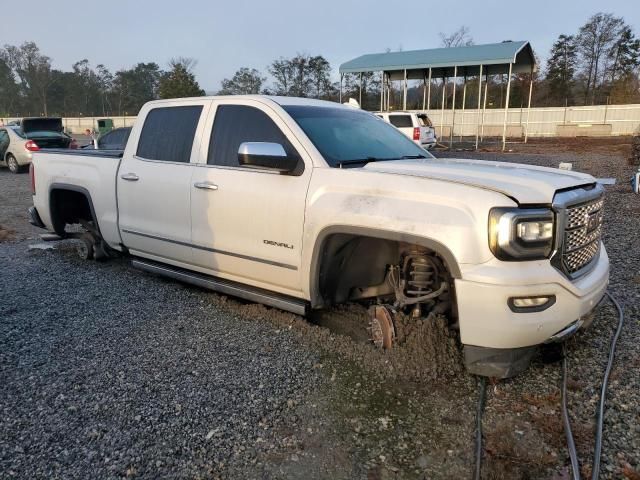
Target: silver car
[(16, 149), (18, 142)]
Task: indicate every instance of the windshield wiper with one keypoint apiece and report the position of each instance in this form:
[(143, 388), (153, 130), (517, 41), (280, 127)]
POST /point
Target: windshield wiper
[(362, 161)]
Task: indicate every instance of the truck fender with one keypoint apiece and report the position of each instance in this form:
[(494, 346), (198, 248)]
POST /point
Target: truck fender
[(73, 188), (319, 245)]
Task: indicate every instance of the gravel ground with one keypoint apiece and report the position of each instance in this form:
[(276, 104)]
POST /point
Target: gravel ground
[(109, 372), (523, 423)]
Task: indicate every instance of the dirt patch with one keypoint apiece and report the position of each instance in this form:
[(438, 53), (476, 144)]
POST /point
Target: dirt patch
[(426, 349), (514, 449), (6, 234)]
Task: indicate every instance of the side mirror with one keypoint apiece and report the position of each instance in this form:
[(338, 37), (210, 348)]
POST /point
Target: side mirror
[(266, 155)]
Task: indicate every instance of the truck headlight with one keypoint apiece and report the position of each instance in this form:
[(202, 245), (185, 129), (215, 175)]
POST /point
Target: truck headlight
[(521, 233)]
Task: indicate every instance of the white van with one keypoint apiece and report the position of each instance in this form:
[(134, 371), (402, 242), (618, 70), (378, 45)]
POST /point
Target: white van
[(416, 126)]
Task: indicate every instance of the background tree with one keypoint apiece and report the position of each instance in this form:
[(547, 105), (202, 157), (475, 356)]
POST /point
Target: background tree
[(34, 72), (459, 38), (245, 81), (561, 69), (134, 87), (624, 54), (180, 81), (282, 72), (9, 91), (320, 77), (595, 41)]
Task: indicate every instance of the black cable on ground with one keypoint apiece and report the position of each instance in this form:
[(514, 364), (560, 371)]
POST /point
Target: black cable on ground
[(603, 392), (575, 467), (480, 410), (571, 445)]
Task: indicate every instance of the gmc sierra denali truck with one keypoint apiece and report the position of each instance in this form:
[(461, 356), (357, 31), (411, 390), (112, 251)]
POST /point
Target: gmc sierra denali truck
[(302, 204)]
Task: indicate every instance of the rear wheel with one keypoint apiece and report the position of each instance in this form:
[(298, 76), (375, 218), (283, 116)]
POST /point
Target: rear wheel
[(86, 246), (12, 163)]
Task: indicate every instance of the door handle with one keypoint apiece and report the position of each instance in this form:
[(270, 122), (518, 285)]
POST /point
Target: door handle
[(132, 177), (206, 185)]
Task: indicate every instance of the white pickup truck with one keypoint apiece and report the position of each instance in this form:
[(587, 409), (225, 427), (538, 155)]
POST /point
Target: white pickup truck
[(303, 204)]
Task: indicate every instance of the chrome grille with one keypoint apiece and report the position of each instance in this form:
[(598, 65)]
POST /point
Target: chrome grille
[(581, 238)]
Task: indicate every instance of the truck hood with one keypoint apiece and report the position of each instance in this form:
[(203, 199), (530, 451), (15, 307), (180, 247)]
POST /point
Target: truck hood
[(527, 184)]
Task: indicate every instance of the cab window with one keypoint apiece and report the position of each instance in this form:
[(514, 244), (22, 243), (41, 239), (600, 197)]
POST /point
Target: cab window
[(236, 124), (168, 133)]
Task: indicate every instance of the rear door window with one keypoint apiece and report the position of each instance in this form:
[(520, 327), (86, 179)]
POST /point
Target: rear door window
[(400, 121), (236, 124), (168, 133)]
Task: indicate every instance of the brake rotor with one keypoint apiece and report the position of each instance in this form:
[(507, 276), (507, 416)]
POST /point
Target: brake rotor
[(381, 327)]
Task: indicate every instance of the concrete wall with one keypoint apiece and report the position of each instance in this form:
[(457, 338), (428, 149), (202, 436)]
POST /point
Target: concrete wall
[(601, 120)]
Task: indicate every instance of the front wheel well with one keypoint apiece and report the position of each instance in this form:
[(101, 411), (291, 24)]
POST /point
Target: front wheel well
[(355, 267), (70, 206)]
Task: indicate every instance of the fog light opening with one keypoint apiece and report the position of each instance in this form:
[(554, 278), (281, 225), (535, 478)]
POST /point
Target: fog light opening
[(531, 304)]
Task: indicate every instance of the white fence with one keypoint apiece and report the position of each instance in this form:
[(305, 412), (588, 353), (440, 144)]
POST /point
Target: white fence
[(601, 120)]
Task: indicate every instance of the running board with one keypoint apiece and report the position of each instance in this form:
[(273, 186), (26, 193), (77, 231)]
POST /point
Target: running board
[(227, 287)]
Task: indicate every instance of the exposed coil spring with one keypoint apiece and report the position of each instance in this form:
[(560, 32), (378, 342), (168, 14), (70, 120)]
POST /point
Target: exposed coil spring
[(421, 275)]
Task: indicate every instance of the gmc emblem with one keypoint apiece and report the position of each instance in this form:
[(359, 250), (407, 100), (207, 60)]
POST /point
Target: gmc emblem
[(593, 220)]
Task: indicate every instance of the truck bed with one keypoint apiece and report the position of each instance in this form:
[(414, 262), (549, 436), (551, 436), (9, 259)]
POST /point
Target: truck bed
[(92, 172)]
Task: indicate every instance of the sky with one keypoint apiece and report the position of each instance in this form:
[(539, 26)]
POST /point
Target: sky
[(224, 36)]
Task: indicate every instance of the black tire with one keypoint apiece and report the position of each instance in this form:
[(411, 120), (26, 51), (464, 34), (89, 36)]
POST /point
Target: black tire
[(86, 247), (100, 253), (12, 163)]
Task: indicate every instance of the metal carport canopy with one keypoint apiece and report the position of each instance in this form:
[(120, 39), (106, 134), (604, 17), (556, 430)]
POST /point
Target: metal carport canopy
[(495, 58)]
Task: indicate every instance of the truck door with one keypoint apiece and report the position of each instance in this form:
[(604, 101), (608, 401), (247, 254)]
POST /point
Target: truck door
[(154, 181), (247, 224)]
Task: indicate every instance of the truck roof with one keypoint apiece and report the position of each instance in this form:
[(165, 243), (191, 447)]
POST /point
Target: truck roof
[(274, 98)]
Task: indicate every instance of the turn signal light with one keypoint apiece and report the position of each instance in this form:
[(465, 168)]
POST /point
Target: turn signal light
[(416, 133)]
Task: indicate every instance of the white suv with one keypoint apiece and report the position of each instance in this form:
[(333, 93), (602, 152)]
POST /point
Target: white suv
[(416, 126)]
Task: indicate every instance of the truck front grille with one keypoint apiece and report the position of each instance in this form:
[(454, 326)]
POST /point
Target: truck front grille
[(582, 234)]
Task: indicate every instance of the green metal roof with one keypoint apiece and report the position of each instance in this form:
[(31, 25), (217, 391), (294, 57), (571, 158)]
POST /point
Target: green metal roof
[(496, 56)]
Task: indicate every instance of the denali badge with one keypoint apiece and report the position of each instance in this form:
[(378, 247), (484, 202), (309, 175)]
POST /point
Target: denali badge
[(278, 244)]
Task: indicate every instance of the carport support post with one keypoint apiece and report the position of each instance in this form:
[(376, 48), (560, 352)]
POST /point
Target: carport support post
[(381, 91), (444, 91), (404, 91), (479, 100), (429, 91), (506, 109), (340, 98), (526, 132), (424, 91), (453, 106), (484, 104), (360, 97), (464, 100)]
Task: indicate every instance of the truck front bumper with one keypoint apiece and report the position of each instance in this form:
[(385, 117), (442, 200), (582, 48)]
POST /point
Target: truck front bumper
[(489, 327)]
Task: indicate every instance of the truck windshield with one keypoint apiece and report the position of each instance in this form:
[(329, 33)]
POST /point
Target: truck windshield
[(350, 137)]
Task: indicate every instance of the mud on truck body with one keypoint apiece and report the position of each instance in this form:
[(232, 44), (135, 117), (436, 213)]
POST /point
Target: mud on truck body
[(303, 204)]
